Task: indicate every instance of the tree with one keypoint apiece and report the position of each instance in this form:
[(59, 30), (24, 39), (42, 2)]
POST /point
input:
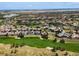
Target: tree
[(6, 34), (62, 41), (21, 35), (55, 40), (44, 35)]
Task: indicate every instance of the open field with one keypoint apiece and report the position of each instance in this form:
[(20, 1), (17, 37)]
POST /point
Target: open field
[(31, 51), (37, 42)]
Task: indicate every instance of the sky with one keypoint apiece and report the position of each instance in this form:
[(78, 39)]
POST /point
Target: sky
[(37, 5)]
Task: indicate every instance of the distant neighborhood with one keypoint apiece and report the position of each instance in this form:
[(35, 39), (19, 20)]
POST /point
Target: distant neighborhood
[(64, 24)]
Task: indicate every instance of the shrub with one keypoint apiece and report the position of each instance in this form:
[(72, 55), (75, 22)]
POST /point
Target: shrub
[(58, 48), (12, 46), (54, 49), (62, 49), (56, 54), (66, 53), (16, 46), (22, 44), (15, 51)]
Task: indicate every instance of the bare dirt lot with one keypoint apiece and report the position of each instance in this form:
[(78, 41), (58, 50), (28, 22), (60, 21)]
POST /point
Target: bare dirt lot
[(5, 50)]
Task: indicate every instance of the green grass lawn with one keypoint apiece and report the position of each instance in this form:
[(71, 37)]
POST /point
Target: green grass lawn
[(37, 42)]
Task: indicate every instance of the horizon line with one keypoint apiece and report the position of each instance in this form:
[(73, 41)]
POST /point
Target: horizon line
[(44, 9)]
